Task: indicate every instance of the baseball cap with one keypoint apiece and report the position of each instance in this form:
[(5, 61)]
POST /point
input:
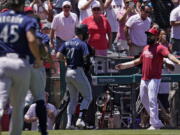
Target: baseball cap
[(66, 3), (152, 31), (28, 9), (96, 4)]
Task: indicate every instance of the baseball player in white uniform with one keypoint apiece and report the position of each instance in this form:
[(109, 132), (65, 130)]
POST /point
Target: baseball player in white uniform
[(152, 61)]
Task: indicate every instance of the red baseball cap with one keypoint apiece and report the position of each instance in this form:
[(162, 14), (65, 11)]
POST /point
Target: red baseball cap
[(4, 10), (28, 9), (152, 31)]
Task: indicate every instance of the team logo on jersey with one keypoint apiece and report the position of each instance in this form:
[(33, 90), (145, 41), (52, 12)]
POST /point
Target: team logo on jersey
[(148, 54)]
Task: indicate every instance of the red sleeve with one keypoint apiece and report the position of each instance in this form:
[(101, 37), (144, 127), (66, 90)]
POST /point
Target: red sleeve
[(84, 21), (163, 50)]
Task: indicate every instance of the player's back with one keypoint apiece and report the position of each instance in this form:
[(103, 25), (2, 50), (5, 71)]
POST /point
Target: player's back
[(75, 50), (13, 28)]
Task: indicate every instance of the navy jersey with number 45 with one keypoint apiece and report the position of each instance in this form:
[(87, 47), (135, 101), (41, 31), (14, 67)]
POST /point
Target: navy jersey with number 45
[(13, 28), (74, 50)]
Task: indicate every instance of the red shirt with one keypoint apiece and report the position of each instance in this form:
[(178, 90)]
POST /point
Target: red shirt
[(152, 61), (97, 32)]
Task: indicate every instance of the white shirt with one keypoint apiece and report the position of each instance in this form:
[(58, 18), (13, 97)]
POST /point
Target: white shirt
[(64, 26), (137, 28), (175, 16), (84, 13), (32, 113), (111, 13)]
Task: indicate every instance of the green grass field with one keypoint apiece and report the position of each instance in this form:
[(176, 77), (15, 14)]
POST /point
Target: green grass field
[(104, 132)]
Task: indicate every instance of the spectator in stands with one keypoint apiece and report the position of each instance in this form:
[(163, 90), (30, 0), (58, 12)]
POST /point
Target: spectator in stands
[(112, 7), (124, 14), (30, 116), (135, 29), (175, 29), (99, 30), (175, 2), (84, 7), (63, 25), (57, 5), (43, 9)]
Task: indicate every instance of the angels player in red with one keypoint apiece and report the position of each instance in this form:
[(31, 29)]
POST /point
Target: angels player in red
[(151, 59)]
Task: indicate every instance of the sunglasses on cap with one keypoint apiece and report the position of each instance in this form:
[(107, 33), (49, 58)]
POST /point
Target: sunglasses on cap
[(96, 9)]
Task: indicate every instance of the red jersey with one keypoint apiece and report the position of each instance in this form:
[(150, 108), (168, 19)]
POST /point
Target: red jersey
[(97, 32), (152, 61)]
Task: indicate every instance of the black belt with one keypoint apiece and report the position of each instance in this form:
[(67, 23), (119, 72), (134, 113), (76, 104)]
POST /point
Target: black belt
[(73, 67)]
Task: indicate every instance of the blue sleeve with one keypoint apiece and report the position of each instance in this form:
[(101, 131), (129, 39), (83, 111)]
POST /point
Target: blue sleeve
[(43, 37), (62, 49), (31, 23), (85, 50), (45, 40)]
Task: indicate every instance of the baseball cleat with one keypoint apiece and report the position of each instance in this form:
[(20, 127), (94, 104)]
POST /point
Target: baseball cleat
[(80, 123), (69, 127), (152, 128)]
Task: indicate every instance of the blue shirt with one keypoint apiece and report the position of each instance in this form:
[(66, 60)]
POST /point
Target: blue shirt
[(44, 38), (13, 28), (74, 50)]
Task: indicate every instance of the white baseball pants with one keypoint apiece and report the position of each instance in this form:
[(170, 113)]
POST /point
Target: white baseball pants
[(148, 94), (14, 83)]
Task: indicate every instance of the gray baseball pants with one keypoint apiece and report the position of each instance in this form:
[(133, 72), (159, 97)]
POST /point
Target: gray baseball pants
[(77, 82), (14, 83)]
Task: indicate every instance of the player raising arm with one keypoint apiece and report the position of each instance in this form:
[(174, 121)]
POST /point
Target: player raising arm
[(152, 62)]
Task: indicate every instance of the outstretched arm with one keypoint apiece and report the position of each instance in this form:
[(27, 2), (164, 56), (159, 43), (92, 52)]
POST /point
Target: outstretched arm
[(128, 64), (174, 59)]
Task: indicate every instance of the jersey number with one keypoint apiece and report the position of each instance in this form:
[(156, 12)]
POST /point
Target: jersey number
[(9, 31), (70, 53)]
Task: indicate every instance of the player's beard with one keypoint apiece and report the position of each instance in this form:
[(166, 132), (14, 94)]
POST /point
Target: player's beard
[(151, 41)]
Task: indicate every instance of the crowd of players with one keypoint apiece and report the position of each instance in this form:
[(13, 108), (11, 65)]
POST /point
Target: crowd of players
[(111, 25)]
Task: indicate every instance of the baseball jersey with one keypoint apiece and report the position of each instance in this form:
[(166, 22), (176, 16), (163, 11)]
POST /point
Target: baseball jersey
[(44, 38), (74, 50), (152, 61), (13, 28)]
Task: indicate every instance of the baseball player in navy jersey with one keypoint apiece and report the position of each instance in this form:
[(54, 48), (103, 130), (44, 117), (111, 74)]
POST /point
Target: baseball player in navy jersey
[(17, 42), (38, 78), (152, 63), (74, 52)]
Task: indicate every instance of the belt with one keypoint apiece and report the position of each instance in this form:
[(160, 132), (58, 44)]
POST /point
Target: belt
[(15, 55)]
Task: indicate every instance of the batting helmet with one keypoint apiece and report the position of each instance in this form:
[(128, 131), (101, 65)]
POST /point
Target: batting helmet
[(82, 29)]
